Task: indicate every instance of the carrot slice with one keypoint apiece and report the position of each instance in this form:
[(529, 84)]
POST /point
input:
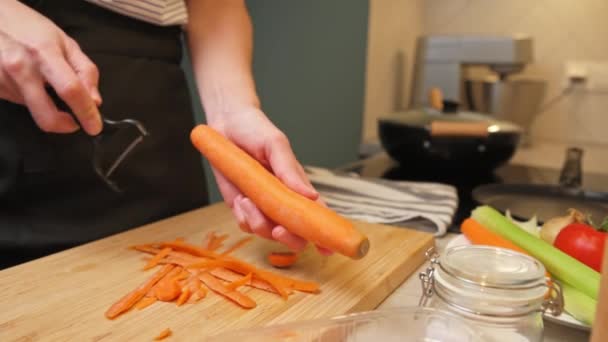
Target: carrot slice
[(243, 281), (231, 276), (298, 214), (242, 268), (146, 249), (184, 296), (134, 296), (188, 248), (170, 275), (163, 334), (160, 255), (194, 285), (296, 284), (216, 286), (145, 302), (282, 259), (168, 288), (176, 261), (242, 242), (183, 275), (201, 293), (153, 250), (209, 240), (217, 242)]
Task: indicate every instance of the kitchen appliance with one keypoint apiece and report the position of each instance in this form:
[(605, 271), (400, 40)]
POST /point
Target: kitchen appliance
[(443, 61), (481, 74), (516, 100)]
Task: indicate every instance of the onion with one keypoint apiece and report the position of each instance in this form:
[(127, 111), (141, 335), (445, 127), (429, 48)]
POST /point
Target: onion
[(531, 226), (552, 227)]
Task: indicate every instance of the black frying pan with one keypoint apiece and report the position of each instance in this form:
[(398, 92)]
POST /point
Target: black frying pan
[(547, 201), (450, 142)]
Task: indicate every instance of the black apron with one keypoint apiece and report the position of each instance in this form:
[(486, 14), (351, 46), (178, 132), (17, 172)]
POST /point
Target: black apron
[(50, 196)]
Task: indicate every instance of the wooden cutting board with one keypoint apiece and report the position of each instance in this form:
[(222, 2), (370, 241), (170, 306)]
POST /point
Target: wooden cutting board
[(63, 297)]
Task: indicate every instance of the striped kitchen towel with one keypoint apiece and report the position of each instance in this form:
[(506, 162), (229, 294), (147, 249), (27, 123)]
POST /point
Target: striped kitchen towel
[(419, 205)]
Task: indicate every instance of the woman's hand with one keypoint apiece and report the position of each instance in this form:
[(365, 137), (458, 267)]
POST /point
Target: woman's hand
[(252, 131), (35, 52)]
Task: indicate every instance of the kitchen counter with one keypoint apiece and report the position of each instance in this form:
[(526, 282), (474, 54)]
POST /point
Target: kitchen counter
[(539, 163), (551, 155)]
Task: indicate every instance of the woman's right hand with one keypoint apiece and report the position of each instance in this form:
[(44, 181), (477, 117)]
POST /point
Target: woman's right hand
[(35, 52)]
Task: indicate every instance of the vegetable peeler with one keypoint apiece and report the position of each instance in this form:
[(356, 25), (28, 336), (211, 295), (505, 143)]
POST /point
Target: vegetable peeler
[(115, 142), (102, 144)]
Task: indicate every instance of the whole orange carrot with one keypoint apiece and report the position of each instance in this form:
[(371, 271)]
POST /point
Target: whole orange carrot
[(479, 235), (298, 214)]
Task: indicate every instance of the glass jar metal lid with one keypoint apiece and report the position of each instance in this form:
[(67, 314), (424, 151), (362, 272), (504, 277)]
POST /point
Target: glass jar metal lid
[(492, 267), (490, 281)]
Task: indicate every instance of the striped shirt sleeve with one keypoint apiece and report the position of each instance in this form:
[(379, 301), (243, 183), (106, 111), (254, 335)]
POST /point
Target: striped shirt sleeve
[(158, 12)]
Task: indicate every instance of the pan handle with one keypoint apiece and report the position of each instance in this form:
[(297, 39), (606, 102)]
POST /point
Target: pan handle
[(436, 99), (571, 174), (459, 129)]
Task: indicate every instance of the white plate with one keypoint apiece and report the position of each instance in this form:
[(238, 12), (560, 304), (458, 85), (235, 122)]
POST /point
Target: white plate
[(563, 319)]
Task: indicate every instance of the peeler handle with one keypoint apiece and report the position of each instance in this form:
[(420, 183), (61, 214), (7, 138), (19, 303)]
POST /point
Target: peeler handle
[(62, 106)]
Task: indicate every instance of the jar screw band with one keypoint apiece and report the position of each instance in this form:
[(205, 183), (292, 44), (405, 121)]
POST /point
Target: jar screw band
[(555, 303), (426, 277)]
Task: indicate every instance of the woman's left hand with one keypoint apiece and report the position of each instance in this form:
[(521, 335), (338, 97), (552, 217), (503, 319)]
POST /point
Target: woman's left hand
[(252, 131)]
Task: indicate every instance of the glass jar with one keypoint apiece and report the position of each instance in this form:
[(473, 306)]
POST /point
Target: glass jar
[(501, 292)]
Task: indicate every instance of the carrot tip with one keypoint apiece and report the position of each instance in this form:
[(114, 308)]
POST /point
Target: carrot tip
[(363, 249)]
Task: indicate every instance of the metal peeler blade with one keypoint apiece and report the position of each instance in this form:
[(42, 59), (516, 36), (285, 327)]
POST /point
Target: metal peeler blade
[(103, 141)]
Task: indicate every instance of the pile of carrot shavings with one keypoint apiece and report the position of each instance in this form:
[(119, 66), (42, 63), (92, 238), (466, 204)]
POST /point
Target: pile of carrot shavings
[(187, 272)]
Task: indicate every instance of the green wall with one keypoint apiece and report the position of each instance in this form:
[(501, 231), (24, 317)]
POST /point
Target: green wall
[(309, 65)]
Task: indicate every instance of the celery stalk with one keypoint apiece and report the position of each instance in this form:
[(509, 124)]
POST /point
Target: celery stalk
[(559, 264), (578, 304)]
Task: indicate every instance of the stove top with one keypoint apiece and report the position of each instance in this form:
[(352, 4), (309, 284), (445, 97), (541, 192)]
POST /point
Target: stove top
[(382, 166)]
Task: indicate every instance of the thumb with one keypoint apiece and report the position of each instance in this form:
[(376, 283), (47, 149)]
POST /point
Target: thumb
[(286, 167)]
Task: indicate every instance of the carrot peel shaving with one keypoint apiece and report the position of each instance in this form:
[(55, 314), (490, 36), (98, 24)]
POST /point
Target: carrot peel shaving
[(133, 297), (163, 334), (154, 261)]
